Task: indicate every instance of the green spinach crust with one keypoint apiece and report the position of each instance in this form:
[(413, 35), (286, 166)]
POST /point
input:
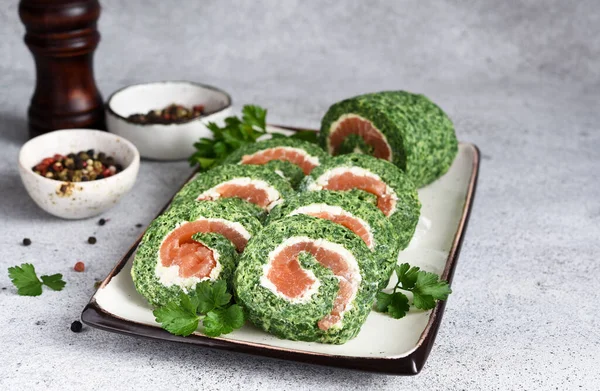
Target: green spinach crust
[(408, 207), (385, 240), (209, 179), (420, 134), (299, 321), (143, 271)]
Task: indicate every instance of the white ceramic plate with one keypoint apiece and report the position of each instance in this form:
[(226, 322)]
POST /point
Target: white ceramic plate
[(445, 208)]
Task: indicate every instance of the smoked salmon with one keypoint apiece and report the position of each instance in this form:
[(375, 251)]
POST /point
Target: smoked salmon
[(348, 210), (257, 185), (307, 278), (406, 129), (396, 194), (187, 245)]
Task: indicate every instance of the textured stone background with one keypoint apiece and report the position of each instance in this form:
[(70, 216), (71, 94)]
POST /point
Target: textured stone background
[(521, 79)]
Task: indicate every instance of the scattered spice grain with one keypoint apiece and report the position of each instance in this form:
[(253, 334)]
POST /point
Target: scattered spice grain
[(76, 326)]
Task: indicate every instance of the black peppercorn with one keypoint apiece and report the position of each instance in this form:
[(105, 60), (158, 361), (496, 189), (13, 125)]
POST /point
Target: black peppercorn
[(26, 242), (101, 221), (76, 326), (92, 240)]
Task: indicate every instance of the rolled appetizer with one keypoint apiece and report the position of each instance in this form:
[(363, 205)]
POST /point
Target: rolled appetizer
[(187, 245), (404, 128), (257, 185), (301, 154), (396, 194), (348, 210), (309, 279)]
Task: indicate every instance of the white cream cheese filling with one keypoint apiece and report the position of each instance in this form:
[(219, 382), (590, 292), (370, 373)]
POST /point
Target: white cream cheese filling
[(273, 196), (322, 181), (349, 258), (169, 275)]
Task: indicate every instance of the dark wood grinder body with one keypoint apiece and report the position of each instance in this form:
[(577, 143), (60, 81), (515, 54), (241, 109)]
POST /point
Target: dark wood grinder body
[(62, 36)]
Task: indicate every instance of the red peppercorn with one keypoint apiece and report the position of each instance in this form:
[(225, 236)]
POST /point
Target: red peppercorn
[(106, 173), (59, 157), (48, 161), (79, 267)]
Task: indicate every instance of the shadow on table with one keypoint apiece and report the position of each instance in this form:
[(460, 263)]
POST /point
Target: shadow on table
[(198, 359)]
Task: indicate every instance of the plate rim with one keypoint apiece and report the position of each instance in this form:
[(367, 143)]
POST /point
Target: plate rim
[(93, 315)]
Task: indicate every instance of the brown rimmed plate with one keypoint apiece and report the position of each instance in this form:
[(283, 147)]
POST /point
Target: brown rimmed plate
[(117, 307)]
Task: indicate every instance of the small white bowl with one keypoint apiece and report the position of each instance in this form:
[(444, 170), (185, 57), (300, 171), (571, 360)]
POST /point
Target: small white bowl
[(78, 200), (165, 141)]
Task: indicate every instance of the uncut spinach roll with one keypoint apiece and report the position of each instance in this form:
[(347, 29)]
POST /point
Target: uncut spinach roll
[(187, 245), (407, 129), (257, 185), (396, 194), (309, 279), (297, 153), (350, 211)]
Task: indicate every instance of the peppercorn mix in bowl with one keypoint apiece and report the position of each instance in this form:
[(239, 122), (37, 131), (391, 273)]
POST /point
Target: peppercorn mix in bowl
[(78, 173), (165, 119)]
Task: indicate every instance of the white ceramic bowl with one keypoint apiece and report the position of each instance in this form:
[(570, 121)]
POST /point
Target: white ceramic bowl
[(78, 200), (161, 141)]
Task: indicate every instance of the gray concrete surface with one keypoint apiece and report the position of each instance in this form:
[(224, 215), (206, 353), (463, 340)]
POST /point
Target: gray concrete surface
[(521, 79)]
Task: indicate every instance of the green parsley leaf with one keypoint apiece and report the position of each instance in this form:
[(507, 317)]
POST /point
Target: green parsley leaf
[(383, 301), (407, 276), (234, 134), (223, 320), (54, 282), (25, 279), (395, 304), (178, 317), (226, 139), (428, 289), (255, 116), (423, 302), (212, 295), (398, 306), (209, 302)]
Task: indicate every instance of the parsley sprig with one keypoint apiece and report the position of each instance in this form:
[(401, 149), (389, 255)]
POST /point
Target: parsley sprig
[(426, 289), (235, 133), (209, 303), (27, 282)]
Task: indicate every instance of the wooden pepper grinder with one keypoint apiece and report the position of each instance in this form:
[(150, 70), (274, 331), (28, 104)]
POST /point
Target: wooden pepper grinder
[(62, 36)]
